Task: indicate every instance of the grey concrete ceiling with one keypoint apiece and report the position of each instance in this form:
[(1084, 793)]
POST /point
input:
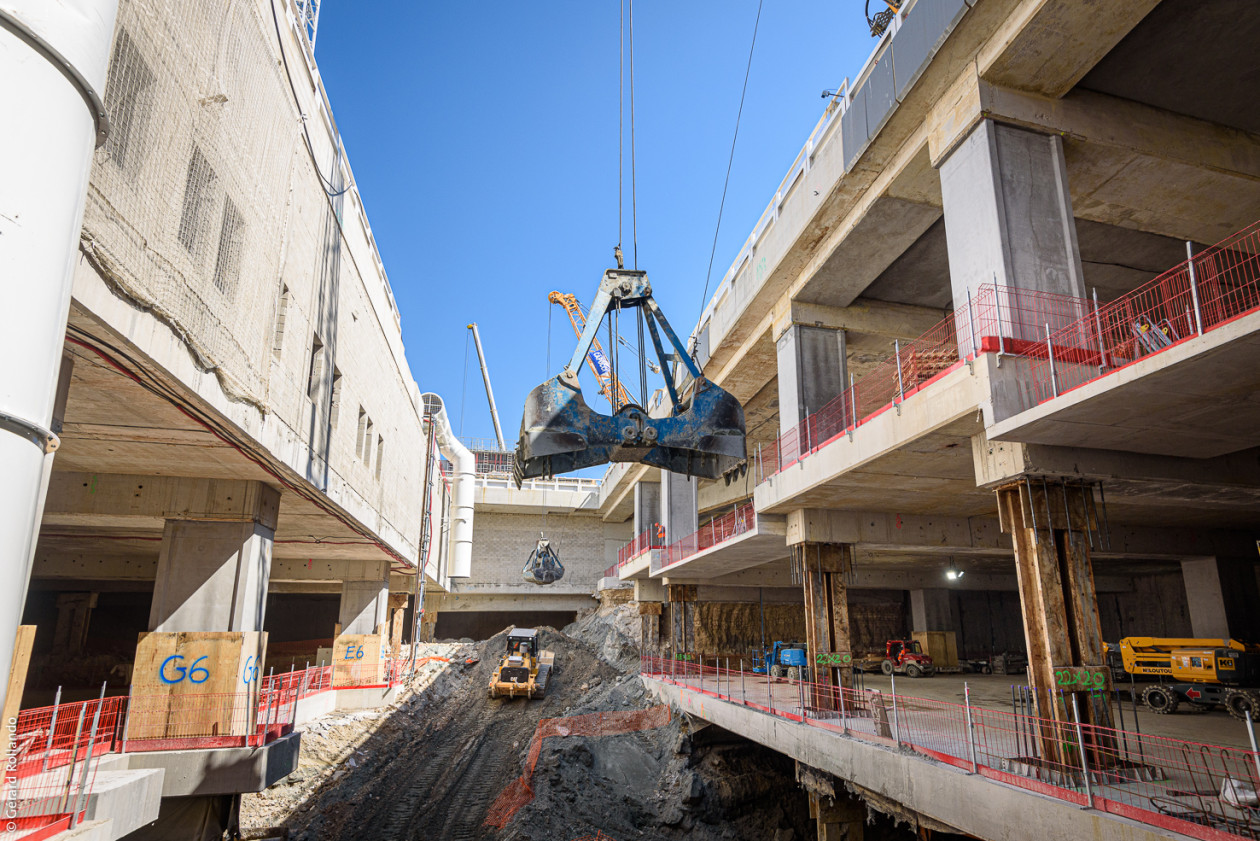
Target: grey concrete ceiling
[(1193, 57)]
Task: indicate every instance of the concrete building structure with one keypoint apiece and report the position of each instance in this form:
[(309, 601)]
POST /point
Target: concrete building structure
[(1001, 177)]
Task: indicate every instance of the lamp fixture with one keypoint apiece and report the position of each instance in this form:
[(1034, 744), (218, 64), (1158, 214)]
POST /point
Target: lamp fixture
[(952, 572)]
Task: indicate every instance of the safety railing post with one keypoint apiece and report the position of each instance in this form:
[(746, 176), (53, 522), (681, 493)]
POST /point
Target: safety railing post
[(1102, 347), (1080, 741), (87, 760), (896, 722), (52, 728), (74, 754), (844, 727), (1194, 289), (971, 728), (852, 405), (728, 678), (1054, 379), (971, 319), (1251, 734), (743, 694), (901, 386)]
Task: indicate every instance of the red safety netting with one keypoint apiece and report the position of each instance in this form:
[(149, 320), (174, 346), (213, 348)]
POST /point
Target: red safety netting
[(717, 530), (652, 538), (1194, 297), (519, 793), (1198, 790)]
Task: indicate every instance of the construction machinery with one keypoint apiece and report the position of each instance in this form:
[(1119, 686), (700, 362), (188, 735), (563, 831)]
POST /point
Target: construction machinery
[(784, 659), (485, 376), (543, 566), (597, 359), (524, 670), (1200, 672), (702, 434), (900, 657)]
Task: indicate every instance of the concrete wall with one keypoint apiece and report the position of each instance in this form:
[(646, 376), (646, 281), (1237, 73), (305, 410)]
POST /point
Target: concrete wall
[(502, 544), (731, 630), (988, 622), (1156, 608)]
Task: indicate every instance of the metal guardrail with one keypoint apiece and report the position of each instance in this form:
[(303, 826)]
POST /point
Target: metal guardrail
[(1199, 790), (718, 530)]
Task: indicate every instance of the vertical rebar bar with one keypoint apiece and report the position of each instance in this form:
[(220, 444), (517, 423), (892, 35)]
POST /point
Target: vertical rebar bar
[(901, 386), (52, 728), (87, 760), (1194, 288), (844, 727), (971, 729), (1124, 735), (1080, 741), (1054, 377), (1137, 724), (1251, 734), (852, 403)]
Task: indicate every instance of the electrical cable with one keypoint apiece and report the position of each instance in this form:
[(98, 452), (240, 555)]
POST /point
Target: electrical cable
[(161, 390), (329, 188), (634, 194), (730, 162), (463, 393)]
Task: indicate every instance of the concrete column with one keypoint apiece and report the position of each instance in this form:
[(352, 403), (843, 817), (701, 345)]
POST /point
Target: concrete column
[(931, 610), (212, 575), (1208, 616), (812, 371), (1060, 607), (823, 567), (679, 505), (364, 604), (74, 617), (647, 506), (1008, 220)]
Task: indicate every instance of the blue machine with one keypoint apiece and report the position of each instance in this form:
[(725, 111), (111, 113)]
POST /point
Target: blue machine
[(785, 659)]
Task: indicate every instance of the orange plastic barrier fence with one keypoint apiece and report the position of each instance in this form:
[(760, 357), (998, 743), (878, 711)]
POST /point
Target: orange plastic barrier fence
[(519, 793)]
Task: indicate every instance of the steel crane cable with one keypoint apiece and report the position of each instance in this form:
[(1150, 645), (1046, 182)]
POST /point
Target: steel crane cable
[(634, 195), (722, 205)]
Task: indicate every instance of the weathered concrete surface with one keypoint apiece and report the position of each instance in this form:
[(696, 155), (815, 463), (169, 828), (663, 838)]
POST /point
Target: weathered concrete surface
[(125, 799), (939, 791), (221, 770)]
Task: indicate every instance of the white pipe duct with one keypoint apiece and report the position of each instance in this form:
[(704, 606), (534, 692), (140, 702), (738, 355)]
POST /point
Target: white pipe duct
[(463, 487), (53, 58)]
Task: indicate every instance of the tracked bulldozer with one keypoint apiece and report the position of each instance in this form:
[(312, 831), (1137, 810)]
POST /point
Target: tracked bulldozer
[(524, 670), (702, 434)]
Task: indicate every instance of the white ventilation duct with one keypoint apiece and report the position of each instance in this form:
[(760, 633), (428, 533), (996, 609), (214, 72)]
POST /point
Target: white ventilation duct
[(53, 57), (463, 487)]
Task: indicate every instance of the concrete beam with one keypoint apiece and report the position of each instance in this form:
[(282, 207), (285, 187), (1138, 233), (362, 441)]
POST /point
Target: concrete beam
[(1047, 46), (463, 603), (939, 535), (105, 500), (291, 570), (878, 318)]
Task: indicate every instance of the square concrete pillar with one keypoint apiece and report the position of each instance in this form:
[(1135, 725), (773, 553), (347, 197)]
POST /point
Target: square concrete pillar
[(812, 369), (74, 618), (1008, 221), (649, 590), (679, 505), (212, 575), (647, 506), (365, 604), (1208, 617), (931, 610)]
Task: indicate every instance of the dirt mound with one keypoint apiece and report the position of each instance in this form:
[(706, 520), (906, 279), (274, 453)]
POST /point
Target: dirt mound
[(431, 769)]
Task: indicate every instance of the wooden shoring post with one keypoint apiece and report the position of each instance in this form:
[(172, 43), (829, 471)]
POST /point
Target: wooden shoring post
[(823, 567), (1049, 525)]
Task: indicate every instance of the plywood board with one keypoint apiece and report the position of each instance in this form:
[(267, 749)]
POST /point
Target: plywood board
[(358, 660), (195, 684), (17, 682)]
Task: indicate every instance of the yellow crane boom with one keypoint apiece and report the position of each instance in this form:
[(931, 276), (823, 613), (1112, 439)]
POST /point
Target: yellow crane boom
[(597, 359)]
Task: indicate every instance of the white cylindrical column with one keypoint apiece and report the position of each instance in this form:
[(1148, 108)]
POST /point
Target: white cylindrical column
[(53, 58), (463, 487)]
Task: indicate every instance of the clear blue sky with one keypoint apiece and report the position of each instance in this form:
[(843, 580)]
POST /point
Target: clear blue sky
[(483, 136)]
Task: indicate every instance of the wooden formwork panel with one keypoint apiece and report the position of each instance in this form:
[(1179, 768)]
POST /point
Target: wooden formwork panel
[(190, 684), (941, 646), (358, 660)]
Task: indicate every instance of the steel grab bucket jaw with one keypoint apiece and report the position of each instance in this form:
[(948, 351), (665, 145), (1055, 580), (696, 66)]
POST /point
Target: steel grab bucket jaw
[(560, 433)]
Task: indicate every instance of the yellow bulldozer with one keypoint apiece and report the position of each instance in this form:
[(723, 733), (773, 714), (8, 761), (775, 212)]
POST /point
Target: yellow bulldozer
[(524, 670), (1201, 672)]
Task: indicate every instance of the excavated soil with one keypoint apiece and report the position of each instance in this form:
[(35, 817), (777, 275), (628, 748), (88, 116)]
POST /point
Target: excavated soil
[(430, 768)]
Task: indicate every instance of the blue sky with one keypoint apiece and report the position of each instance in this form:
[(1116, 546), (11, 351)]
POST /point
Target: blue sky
[(483, 137)]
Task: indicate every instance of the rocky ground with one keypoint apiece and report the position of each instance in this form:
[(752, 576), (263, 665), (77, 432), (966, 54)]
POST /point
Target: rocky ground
[(430, 768)]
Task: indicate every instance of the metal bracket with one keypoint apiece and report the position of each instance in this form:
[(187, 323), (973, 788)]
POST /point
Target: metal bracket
[(50, 53), (45, 439)]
